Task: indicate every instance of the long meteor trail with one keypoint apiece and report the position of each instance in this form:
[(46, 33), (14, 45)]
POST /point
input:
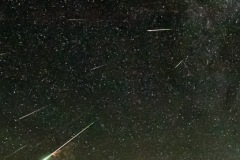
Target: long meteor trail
[(30, 114), (15, 152), (69, 141)]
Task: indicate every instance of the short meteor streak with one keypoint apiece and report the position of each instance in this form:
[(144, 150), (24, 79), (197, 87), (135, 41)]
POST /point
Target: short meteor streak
[(2, 54), (69, 141), (73, 19), (97, 67), (158, 30), (30, 114), (15, 152), (178, 64), (181, 62)]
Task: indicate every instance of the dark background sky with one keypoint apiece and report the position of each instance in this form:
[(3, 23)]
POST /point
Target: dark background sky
[(155, 95)]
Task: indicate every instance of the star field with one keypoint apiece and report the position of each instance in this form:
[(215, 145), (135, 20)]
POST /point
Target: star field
[(119, 80)]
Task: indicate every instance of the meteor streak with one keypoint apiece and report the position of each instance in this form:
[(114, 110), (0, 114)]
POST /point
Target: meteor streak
[(157, 30), (178, 64), (2, 54), (69, 141), (73, 19), (30, 114), (97, 67), (15, 152), (181, 62)]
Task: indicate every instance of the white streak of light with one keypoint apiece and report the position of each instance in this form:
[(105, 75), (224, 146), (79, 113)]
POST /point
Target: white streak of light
[(15, 151), (178, 64), (97, 67), (157, 30), (2, 54), (69, 140), (30, 113)]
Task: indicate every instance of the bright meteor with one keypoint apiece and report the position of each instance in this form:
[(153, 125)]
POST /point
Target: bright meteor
[(46, 158), (30, 114), (157, 30)]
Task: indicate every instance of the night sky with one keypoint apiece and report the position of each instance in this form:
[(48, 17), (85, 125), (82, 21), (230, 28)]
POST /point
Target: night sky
[(107, 72)]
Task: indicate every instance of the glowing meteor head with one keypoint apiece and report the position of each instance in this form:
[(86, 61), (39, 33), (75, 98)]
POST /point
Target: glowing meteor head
[(47, 158)]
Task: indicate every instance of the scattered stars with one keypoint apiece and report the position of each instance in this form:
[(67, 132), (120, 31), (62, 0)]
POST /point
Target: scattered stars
[(161, 78)]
